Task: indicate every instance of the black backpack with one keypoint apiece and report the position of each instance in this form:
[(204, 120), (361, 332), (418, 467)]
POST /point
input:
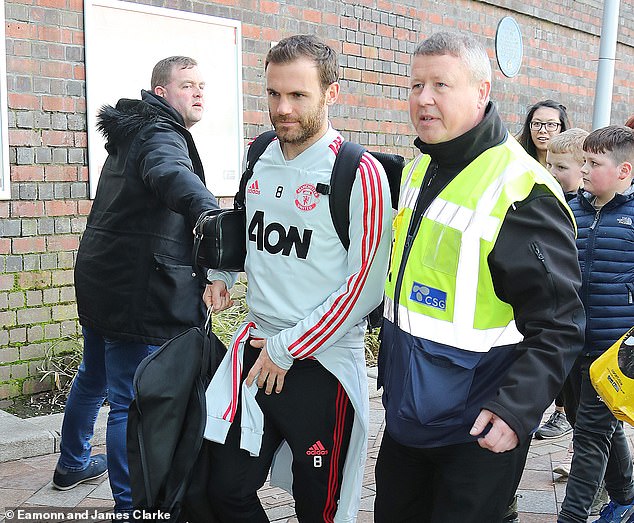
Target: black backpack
[(166, 420), (343, 174)]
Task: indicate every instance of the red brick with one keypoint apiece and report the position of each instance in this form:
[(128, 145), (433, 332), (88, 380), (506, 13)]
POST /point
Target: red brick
[(5, 247), (24, 137), (294, 12), (28, 245), (4, 209), (58, 138), (271, 35), (83, 207), (387, 55), (34, 280), (365, 26), (27, 173), (59, 4), (49, 34), (61, 104), (60, 207), (310, 15), (351, 49), (77, 38), (255, 117), (23, 65), (385, 30), (369, 52), (352, 74), (348, 22), (60, 173), (80, 139), (370, 77), (269, 7), (79, 72), (62, 243), (57, 69), (330, 19), (23, 101), (27, 209), (251, 31), (21, 30)]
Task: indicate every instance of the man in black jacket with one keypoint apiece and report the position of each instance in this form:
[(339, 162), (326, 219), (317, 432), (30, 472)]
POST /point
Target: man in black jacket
[(483, 318), (134, 281)]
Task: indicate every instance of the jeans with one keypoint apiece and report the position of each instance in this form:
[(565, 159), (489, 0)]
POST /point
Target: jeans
[(107, 370), (600, 448)]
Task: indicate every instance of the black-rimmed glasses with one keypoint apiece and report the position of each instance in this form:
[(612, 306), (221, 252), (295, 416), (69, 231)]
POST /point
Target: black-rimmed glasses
[(536, 125)]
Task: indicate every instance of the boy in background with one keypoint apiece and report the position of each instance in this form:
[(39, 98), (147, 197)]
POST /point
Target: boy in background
[(605, 213), (564, 160)]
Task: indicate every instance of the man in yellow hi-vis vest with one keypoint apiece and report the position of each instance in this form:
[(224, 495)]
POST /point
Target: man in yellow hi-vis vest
[(482, 314)]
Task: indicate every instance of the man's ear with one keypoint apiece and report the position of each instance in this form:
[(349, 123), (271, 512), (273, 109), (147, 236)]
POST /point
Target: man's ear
[(625, 170), (159, 90), (332, 93), (483, 93)]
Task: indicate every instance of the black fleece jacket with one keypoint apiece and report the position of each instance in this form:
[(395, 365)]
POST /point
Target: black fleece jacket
[(534, 269), (133, 276)]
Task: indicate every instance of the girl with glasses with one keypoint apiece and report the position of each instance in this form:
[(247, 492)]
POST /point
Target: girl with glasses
[(544, 120)]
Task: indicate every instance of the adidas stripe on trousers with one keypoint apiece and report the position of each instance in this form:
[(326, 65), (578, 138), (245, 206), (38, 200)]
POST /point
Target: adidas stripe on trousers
[(314, 415)]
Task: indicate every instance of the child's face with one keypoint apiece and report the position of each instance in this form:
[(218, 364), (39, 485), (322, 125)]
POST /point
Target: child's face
[(603, 177), (566, 169)]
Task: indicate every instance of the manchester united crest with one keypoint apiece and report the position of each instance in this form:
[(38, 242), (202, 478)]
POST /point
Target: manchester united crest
[(306, 197)]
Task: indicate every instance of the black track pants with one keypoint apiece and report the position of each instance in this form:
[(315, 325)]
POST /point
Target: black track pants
[(314, 415)]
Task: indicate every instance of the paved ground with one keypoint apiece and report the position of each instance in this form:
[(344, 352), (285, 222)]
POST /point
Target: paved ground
[(26, 483)]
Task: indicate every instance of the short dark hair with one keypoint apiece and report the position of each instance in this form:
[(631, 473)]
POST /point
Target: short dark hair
[(615, 141), (461, 45), (162, 72), (525, 136), (307, 46)]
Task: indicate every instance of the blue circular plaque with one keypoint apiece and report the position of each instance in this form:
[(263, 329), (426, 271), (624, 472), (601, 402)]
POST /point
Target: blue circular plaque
[(508, 46)]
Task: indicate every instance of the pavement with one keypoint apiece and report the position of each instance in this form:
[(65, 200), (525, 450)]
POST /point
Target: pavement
[(29, 451)]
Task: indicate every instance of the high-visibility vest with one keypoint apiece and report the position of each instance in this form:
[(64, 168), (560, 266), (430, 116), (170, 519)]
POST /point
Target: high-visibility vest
[(446, 289)]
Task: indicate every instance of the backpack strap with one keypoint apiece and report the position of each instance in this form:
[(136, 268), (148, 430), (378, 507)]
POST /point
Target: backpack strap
[(344, 172), (393, 165), (256, 149)]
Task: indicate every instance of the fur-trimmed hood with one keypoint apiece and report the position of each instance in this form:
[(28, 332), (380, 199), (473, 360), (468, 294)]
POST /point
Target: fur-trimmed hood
[(129, 116)]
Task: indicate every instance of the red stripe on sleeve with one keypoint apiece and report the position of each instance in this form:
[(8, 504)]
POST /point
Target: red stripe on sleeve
[(372, 227)]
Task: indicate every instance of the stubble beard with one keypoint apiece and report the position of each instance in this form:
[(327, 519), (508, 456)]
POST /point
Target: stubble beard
[(309, 126)]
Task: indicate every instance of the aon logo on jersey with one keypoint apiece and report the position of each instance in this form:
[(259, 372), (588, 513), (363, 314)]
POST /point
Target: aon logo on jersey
[(274, 238)]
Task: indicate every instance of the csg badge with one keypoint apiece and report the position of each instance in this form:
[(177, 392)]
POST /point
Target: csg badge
[(429, 296), (306, 197)]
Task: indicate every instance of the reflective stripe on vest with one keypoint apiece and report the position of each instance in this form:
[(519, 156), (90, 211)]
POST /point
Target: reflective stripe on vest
[(447, 293)]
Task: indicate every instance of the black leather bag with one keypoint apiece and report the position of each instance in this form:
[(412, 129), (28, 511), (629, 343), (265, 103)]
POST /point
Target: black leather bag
[(220, 240)]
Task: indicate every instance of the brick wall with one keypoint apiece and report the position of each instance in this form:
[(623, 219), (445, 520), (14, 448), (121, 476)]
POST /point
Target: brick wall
[(41, 224)]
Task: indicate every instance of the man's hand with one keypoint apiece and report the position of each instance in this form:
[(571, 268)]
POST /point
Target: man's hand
[(500, 438), (217, 296), (269, 373)]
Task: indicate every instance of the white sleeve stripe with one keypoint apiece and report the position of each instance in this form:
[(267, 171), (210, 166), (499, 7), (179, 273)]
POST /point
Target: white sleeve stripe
[(236, 374), (372, 227)]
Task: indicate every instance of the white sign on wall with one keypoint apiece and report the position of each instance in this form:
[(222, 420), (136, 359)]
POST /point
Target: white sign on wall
[(125, 40)]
